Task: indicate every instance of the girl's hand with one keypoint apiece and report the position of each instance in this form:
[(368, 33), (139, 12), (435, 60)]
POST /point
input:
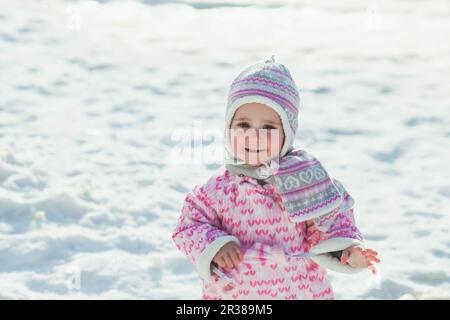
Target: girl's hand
[(229, 256), (357, 257), (312, 234)]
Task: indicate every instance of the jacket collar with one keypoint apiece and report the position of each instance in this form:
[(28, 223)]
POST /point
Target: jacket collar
[(241, 179)]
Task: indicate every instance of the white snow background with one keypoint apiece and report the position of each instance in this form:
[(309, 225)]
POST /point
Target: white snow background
[(93, 96)]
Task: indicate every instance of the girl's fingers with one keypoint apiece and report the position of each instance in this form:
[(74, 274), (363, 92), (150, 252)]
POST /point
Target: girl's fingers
[(235, 258), (370, 260), (372, 256), (368, 253), (221, 262), (359, 249), (227, 260), (239, 254)]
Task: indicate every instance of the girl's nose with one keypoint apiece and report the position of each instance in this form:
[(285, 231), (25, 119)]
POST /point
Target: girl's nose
[(252, 133), (252, 140)]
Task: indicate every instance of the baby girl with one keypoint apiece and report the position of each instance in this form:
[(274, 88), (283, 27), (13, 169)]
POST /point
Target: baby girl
[(273, 221)]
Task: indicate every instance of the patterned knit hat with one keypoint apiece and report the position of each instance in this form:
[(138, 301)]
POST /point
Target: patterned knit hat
[(269, 83)]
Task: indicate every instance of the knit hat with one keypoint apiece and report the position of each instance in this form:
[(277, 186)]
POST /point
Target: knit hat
[(270, 83)]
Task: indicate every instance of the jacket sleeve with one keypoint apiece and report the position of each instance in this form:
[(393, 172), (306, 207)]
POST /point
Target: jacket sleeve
[(335, 232), (198, 234)]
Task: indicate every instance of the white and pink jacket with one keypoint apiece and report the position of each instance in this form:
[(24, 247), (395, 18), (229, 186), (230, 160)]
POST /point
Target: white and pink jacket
[(237, 208)]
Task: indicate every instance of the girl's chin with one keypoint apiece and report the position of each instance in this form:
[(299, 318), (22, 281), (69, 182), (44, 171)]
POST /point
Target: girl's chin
[(253, 164), (252, 158), (254, 161)]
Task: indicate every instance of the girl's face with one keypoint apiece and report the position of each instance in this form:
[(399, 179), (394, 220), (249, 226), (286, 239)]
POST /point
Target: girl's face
[(256, 134)]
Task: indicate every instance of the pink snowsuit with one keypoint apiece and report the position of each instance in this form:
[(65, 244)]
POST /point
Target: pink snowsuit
[(237, 208)]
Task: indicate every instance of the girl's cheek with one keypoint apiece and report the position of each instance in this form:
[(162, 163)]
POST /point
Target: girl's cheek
[(274, 144), (268, 148), (237, 145), (280, 141), (235, 140)]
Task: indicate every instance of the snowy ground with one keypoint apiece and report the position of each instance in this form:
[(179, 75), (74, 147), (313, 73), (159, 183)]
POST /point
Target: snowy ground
[(92, 95)]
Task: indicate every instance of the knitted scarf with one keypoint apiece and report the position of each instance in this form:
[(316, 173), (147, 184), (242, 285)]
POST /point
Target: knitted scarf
[(306, 189)]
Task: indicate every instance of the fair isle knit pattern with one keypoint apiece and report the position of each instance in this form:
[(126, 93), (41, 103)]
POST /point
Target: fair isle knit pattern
[(242, 210), (306, 188)]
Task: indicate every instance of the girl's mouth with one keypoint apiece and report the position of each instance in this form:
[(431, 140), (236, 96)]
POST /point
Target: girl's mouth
[(252, 151)]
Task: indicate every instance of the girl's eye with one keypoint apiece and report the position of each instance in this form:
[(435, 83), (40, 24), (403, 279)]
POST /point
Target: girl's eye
[(269, 127), (243, 125)]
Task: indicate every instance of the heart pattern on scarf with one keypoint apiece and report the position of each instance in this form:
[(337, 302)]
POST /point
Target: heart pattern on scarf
[(306, 176)]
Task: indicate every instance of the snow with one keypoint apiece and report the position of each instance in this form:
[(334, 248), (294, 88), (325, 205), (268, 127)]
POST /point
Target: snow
[(97, 95)]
